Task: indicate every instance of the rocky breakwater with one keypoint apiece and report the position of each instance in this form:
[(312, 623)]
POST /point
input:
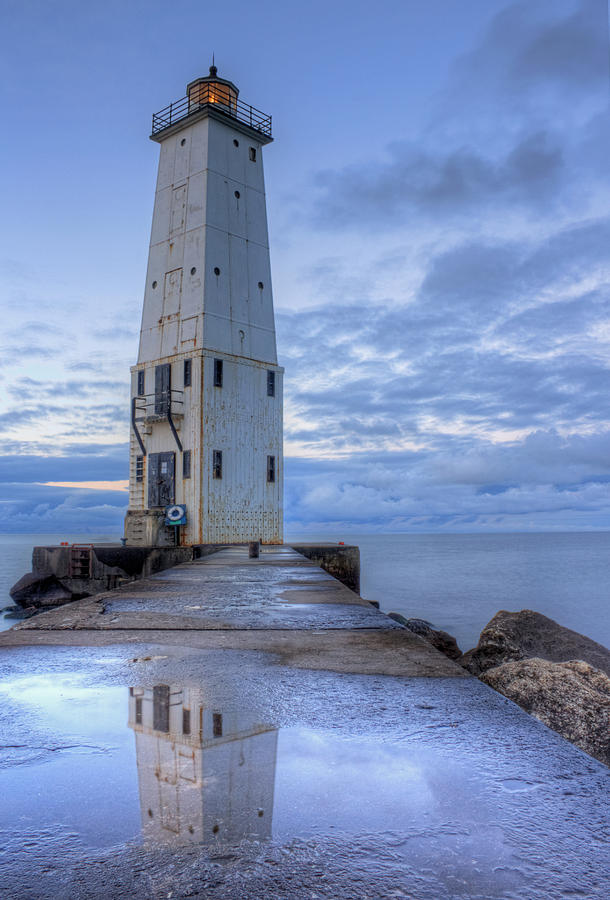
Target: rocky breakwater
[(571, 697), (441, 640), (559, 676), (555, 674)]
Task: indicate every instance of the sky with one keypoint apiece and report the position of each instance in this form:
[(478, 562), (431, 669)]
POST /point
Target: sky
[(439, 206)]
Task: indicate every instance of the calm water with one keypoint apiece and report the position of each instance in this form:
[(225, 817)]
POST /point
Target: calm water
[(16, 558), (457, 582)]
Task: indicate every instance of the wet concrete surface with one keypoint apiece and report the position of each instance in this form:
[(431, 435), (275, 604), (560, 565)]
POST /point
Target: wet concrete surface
[(229, 591), (430, 788), (281, 603), (292, 762)]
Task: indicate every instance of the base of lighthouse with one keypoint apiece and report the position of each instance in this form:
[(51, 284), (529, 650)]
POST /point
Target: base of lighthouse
[(146, 528), (213, 443)]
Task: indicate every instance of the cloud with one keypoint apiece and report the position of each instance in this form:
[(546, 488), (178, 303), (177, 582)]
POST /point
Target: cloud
[(569, 53), (103, 463), (27, 388), (81, 367), (498, 334), (116, 333), (517, 132), (481, 404), (26, 508), (486, 487), (15, 418), (537, 59), (34, 351), (432, 183)]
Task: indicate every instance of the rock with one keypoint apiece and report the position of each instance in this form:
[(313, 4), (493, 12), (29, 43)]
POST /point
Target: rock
[(400, 619), (522, 635), (439, 639), (40, 590), (16, 612), (572, 698)]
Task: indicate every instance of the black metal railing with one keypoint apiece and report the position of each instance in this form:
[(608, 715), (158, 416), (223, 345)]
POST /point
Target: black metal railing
[(208, 95), (150, 408), (155, 406)]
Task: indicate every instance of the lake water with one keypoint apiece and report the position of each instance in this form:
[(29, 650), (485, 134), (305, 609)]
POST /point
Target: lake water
[(460, 581), (16, 558), (457, 582)]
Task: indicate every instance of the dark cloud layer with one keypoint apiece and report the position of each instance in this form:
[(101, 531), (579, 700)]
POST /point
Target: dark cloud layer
[(434, 183), (106, 463), (27, 508), (518, 130)]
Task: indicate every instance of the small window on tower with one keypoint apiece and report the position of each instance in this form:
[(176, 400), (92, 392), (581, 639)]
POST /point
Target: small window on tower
[(188, 365), (186, 720), (270, 383), (217, 464), (141, 386), (217, 724), (138, 710), (186, 464), (271, 469), (217, 373), (139, 468), (163, 388), (252, 154)]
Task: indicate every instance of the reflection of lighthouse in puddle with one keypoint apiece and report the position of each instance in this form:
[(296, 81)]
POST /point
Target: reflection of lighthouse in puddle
[(204, 775)]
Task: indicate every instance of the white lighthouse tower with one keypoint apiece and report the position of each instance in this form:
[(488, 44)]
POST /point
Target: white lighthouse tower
[(206, 409)]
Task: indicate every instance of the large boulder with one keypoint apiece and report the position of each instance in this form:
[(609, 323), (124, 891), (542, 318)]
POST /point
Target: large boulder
[(40, 590), (443, 641), (513, 636), (572, 698)]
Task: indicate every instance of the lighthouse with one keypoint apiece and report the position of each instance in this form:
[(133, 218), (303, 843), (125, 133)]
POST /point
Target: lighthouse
[(206, 462), (205, 776)]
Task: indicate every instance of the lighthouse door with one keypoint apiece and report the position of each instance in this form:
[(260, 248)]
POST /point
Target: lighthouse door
[(161, 476)]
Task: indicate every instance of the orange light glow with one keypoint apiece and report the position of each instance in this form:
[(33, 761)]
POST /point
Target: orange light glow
[(213, 92)]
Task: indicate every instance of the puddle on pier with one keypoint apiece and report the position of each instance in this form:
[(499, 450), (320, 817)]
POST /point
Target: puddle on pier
[(157, 764)]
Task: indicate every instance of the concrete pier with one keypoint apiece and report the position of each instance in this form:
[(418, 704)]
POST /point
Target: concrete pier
[(384, 770), (281, 602)]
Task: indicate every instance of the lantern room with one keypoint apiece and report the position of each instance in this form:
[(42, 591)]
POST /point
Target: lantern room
[(214, 90)]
